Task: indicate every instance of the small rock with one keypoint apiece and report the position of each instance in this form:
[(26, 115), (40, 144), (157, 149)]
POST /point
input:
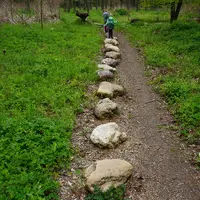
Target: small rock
[(111, 41), (106, 67), (110, 47), (113, 55), (107, 135), (110, 61), (105, 108), (107, 173), (69, 183), (105, 74), (107, 89)]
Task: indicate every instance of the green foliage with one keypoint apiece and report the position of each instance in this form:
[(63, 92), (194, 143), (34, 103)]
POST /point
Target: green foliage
[(121, 11), (111, 194), (43, 77), (162, 3), (174, 48)]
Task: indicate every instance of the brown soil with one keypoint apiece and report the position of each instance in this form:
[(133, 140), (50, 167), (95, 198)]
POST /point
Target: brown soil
[(162, 168)]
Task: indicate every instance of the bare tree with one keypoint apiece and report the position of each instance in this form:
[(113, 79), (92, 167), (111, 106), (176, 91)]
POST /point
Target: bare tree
[(28, 7), (41, 13), (11, 9), (87, 5), (102, 4)]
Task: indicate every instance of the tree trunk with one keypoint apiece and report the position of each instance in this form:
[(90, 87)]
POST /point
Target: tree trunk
[(41, 13), (99, 3), (102, 4), (96, 4), (106, 4), (51, 6), (86, 5), (69, 6), (121, 3), (175, 10), (111, 5), (65, 5), (28, 7), (77, 3), (91, 4), (137, 2), (129, 5), (178, 9), (74, 5), (11, 9), (172, 11), (132, 3)]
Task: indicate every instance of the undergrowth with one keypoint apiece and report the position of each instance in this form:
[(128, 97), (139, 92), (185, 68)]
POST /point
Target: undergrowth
[(111, 194), (173, 49), (43, 77)]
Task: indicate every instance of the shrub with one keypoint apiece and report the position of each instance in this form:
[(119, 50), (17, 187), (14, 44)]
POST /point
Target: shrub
[(111, 194), (121, 11)]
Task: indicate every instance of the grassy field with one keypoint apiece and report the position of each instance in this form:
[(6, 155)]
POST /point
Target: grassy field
[(43, 77), (172, 51)]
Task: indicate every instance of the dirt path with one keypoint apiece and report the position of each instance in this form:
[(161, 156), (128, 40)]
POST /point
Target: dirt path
[(162, 170)]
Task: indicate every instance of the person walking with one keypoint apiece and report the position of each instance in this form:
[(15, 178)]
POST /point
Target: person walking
[(105, 18), (110, 26)]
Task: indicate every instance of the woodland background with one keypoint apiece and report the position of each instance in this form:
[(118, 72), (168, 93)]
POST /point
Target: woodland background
[(35, 10)]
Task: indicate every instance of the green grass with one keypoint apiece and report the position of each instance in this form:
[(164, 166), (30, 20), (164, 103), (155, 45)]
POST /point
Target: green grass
[(43, 77), (111, 194), (143, 16), (174, 50)]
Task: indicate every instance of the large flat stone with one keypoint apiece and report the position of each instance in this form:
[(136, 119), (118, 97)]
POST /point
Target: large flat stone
[(110, 61), (113, 55), (105, 108), (105, 74), (107, 173), (107, 89), (110, 47), (106, 67), (107, 135), (111, 41)]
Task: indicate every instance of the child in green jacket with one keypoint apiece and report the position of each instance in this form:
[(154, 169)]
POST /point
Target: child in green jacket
[(110, 25)]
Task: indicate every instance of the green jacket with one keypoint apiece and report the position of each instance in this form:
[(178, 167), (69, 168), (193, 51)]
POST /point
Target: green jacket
[(110, 23)]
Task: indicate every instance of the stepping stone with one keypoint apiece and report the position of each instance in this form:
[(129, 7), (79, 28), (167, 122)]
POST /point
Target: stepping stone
[(115, 38), (106, 67), (107, 173), (111, 41), (110, 47), (107, 89), (105, 74), (105, 108), (107, 135), (113, 54), (110, 61)]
